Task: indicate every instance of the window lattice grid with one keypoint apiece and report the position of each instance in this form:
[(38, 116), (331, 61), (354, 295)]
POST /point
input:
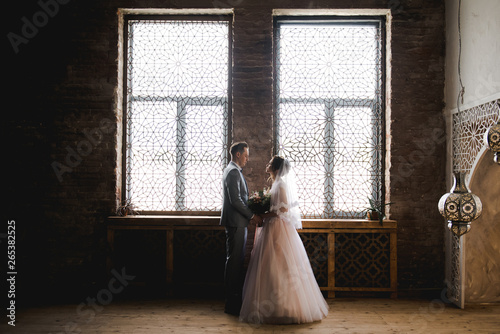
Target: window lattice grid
[(177, 113), (329, 113)]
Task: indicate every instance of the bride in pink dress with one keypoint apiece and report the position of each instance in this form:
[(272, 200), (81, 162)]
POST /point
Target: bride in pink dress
[(280, 287)]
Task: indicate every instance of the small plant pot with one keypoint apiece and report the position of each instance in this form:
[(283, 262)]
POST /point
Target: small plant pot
[(123, 211), (372, 215)]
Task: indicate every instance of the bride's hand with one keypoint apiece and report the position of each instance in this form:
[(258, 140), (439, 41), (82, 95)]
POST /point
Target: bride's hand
[(257, 220)]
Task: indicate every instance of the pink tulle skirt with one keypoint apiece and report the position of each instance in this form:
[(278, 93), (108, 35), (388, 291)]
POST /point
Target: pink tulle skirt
[(280, 287)]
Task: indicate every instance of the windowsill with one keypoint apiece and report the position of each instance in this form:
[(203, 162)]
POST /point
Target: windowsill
[(213, 220)]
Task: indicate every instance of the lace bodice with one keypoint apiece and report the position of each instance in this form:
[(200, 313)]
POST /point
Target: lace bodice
[(284, 203)]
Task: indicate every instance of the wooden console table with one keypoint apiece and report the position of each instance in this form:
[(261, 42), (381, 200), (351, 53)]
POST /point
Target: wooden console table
[(346, 255)]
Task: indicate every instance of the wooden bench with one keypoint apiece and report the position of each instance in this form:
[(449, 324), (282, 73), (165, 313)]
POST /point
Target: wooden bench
[(345, 254)]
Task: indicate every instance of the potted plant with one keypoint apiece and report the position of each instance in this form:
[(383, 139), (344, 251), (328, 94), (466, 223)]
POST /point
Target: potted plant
[(126, 209), (376, 210)]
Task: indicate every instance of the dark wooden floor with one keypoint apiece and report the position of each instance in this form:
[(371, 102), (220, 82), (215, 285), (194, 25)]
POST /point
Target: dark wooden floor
[(347, 315)]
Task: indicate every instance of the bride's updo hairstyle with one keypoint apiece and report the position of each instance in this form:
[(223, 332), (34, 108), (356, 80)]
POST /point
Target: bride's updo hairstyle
[(276, 163)]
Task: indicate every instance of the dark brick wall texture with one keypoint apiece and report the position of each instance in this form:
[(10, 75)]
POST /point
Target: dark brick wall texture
[(61, 92)]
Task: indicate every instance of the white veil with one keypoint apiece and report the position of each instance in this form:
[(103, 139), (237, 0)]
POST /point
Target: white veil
[(284, 200)]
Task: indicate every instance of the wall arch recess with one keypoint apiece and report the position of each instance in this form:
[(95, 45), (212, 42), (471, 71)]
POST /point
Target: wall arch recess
[(467, 151), (482, 248)]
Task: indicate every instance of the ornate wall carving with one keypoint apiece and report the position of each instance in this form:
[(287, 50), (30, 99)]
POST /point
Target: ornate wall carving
[(469, 127)]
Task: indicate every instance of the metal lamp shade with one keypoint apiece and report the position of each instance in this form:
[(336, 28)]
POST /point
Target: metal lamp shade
[(492, 140), (460, 207)]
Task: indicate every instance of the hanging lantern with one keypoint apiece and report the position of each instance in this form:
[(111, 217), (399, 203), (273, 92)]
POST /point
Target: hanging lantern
[(460, 207), (492, 141)]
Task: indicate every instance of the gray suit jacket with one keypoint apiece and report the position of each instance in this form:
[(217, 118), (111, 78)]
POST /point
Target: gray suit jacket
[(235, 211)]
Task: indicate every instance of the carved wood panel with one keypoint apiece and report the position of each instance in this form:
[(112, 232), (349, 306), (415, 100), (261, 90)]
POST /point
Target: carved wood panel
[(316, 245), (362, 260)]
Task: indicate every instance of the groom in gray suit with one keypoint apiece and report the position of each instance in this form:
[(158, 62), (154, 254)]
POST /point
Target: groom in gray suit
[(235, 217)]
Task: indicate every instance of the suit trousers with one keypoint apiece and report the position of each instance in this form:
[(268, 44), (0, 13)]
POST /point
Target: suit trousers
[(236, 239)]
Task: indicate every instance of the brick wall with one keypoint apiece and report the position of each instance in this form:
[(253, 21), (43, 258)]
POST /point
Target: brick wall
[(61, 133)]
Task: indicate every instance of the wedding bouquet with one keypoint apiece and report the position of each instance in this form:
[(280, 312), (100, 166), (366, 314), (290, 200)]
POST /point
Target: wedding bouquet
[(260, 201)]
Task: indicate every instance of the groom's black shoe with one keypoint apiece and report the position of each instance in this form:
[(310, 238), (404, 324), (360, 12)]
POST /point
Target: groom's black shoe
[(232, 312), (233, 305)]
